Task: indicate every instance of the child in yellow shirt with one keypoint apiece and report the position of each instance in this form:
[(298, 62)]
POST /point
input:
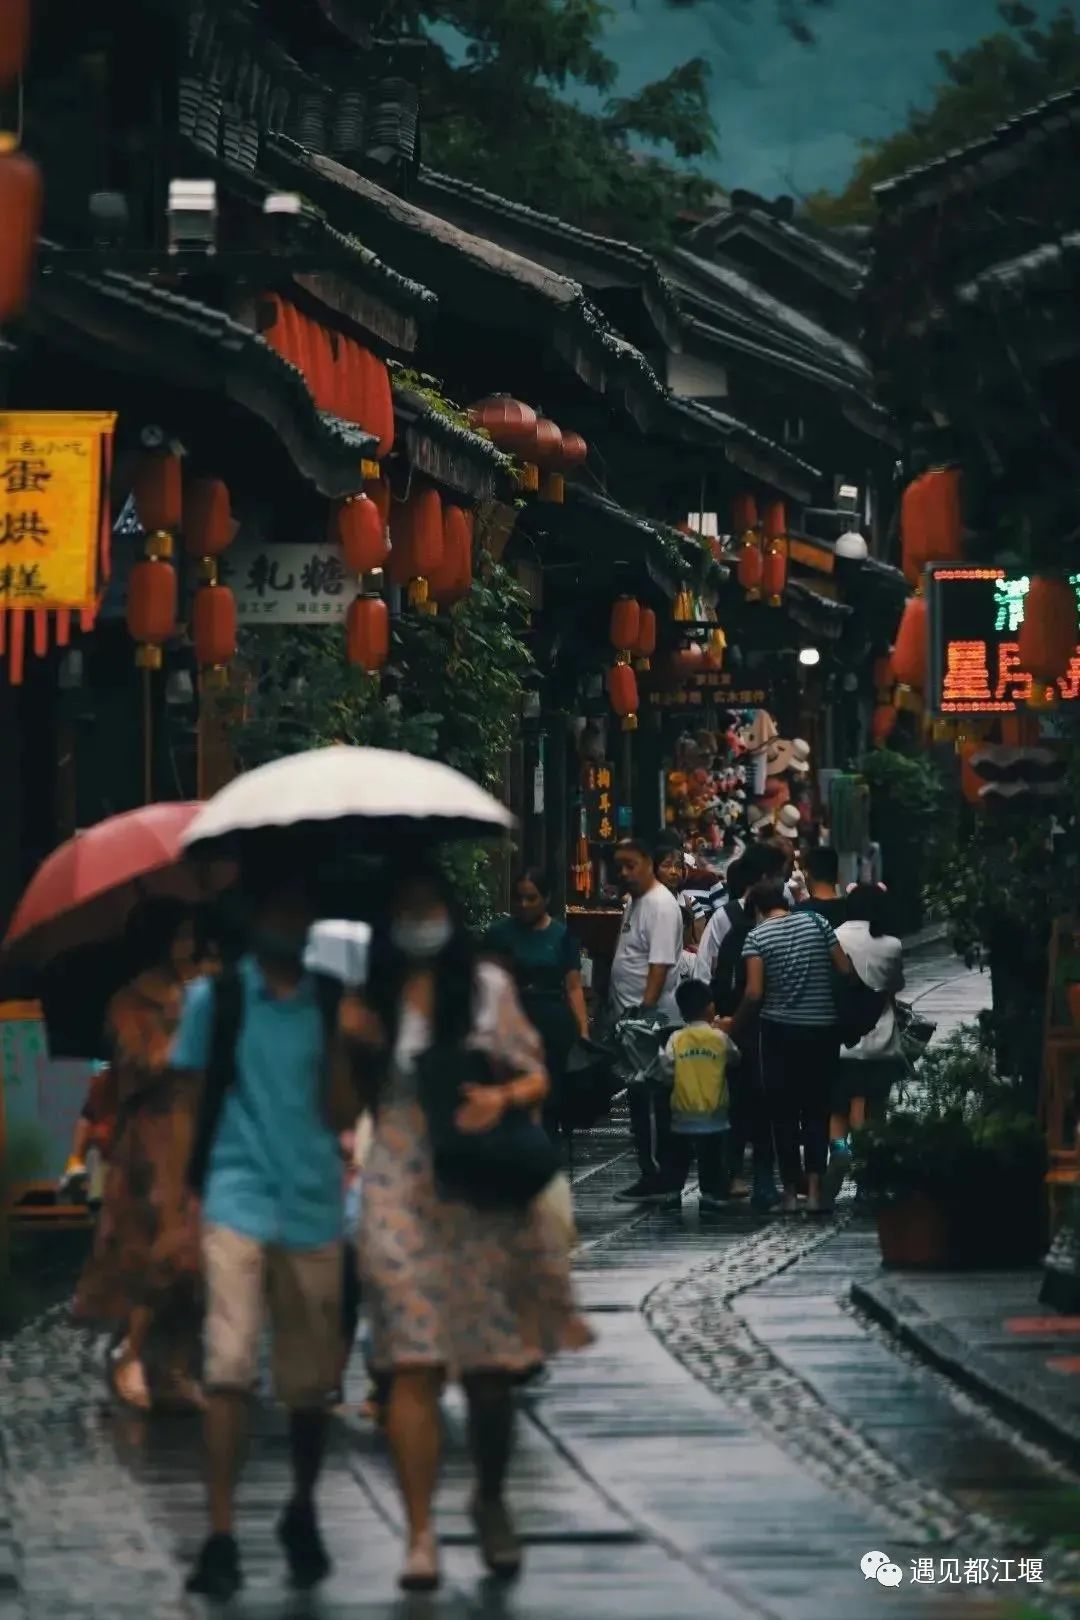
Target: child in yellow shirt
[(694, 1063)]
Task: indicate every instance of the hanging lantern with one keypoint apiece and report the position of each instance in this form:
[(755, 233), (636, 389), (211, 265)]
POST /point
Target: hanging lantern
[(544, 445), (774, 521), (209, 526), (506, 421), (774, 572), (20, 209), (882, 724), (14, 39), (213, 627), (151, 609), (750, 571), (378, 402), (575, 451), (623, 690), (1048, 635), (158, 494), (625, 624), (322, 372), (416, 551), (940, 516), (357, 526), (453, 579), (913, 555), (909, 654), (367, 633), (645, 642), (744, 514), (378, 490)]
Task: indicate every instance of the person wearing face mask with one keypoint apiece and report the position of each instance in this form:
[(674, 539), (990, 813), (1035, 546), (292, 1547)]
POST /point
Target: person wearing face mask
[(454, 1290), (266, 1161)]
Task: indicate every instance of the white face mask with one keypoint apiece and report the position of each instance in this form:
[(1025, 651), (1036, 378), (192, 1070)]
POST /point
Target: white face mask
[(421, 938)]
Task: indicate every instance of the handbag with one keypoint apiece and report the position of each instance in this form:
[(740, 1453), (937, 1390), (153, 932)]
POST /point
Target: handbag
[(505, 1167), (858, 1008)]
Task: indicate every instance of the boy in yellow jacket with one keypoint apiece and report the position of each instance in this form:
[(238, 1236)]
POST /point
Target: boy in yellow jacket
[(694, 1062)]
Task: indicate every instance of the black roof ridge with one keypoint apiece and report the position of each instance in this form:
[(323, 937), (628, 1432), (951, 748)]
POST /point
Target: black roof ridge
[(850, 270), (1064, 102)]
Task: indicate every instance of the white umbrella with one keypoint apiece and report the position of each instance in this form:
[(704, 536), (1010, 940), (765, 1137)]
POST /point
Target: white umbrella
[(390, 793)]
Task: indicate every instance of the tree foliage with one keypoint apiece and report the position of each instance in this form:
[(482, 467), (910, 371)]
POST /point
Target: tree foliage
[(504, 107), (1015, 68)]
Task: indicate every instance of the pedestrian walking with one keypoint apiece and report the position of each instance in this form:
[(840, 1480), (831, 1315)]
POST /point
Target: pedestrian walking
[(762, 862), (867, 1071), (459, 1283), (144, 1267), (644, 978), (545, 961), (267, 1163), (695, 1063), (822, 869), (791, 957)]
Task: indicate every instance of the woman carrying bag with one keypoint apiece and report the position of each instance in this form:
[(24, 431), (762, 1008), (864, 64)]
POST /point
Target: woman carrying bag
[(464, 1269)]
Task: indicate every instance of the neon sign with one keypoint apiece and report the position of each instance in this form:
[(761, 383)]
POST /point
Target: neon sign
[(975, 619)]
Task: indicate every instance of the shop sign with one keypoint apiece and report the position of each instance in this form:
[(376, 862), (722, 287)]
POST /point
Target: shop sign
[(287, 584), (975, 616), (53, 469), (815, 557), (599, 812)]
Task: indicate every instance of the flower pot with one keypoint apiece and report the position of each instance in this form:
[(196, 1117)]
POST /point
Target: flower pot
[(914, 1232), (1072, 1000)]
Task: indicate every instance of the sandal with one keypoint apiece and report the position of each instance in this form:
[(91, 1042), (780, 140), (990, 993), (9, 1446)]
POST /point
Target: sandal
[(421, 1569)]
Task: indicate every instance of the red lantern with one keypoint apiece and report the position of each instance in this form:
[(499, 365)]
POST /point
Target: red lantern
[(543, 446), (575, 452), (321, 372), (942, 525), (378, 403), (909, 654), (913, 555), (158, 491), (213, 626), (357, 526), (1048, 635), (774, 521), (622, 688), (14, 39), (882, 724), (645, 644), (416, 533), (209, 527), (625, 625), (744, 514), (367, 633), (750, 571), (453, 580), (20, 210), (774, 572), (503, 419), (151, 609)]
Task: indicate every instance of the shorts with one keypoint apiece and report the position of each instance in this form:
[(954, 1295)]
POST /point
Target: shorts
[(872, 1078), (302, 1290)]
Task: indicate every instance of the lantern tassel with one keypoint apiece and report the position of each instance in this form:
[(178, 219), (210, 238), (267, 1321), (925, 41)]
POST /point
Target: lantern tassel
[(418, 592), (630, 722), (17, 647), (63, 626), (41, 632)]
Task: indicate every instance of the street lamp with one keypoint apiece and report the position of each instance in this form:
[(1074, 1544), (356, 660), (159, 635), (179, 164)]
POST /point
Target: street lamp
[(809, 656)]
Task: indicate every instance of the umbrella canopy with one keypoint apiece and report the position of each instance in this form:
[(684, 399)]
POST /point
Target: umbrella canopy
[(84, 892), (391, 793)]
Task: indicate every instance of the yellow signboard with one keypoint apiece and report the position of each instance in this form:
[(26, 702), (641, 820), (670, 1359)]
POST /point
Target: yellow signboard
[(53, 478)]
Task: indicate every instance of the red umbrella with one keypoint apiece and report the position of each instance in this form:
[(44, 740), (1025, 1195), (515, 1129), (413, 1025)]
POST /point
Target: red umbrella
[(84, 892)]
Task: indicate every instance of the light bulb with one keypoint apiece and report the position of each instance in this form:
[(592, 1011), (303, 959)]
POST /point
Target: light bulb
[(809, 656)]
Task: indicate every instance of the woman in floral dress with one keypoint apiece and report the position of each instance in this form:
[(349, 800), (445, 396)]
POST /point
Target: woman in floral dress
[(145, 1262), (453, 1291)]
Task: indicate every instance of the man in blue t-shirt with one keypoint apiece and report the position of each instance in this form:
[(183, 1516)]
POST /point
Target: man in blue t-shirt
[(267, 1165)]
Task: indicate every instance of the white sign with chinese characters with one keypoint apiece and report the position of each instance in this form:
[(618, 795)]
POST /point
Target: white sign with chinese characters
[(287, 584)]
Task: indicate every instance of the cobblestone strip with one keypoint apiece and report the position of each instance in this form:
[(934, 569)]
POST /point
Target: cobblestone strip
[(695, 1318), (76, 1519)]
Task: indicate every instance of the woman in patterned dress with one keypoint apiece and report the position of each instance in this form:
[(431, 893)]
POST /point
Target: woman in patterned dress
[(453, 1291), (145, 1263)]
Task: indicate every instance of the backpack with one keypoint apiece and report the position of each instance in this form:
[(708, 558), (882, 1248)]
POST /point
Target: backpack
[(220, 1077), (729, 970)]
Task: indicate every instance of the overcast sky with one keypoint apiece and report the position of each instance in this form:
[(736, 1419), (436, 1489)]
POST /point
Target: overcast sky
[(790, 118)]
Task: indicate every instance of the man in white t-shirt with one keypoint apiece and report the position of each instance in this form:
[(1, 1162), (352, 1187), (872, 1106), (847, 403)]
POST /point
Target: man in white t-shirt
[(645, 973)]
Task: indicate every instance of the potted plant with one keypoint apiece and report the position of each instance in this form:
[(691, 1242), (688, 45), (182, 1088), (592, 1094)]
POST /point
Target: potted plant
[(904, 1166)]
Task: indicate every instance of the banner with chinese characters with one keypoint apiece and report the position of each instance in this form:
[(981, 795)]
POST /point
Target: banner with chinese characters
[(600, 816), (54, 518), (975, 616), (288, 584)]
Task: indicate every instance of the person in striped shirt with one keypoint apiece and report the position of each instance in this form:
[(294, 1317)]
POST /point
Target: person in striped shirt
[(791, 958)]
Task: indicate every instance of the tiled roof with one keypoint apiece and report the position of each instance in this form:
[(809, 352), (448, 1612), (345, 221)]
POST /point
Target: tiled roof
[(1009, 147), (790, 473), (797, 244), (1053, 266)]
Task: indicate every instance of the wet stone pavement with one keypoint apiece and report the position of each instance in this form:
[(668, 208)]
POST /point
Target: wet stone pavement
[(735, 1443)]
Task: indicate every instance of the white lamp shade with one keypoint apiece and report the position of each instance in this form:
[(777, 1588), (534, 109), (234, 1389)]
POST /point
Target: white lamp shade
[(852, 547)]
